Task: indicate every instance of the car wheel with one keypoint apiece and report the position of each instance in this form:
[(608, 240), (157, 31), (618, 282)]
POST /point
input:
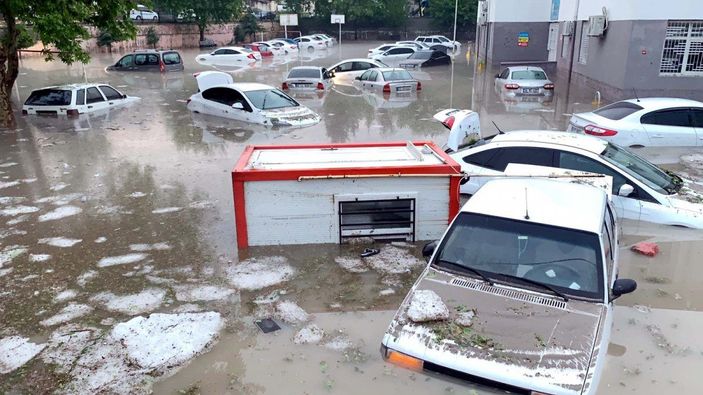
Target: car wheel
[(156, 18), (139, 18), (311, 49)]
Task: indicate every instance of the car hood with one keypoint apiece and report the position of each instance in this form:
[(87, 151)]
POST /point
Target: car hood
[(292, 116), (517, 338)]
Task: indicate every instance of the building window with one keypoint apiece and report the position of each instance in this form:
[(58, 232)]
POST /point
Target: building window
[(585, 40), (683, 49), (388, 218)]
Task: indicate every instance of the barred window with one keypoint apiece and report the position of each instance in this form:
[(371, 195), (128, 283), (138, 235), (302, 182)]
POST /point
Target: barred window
[(683, 49), (585, 41)]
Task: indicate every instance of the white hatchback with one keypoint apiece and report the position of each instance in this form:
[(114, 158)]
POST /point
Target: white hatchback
[(218, 95), (641, 191), (646, 122), (394, 55), (72, 100)]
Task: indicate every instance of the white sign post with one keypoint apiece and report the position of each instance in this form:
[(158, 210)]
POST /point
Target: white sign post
[(338, 19), (288, 20)]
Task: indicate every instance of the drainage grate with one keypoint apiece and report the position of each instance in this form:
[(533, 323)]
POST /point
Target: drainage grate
[(509, 293)]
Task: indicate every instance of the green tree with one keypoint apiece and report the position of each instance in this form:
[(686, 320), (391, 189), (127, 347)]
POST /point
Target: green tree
[(59, 24), (377, 13), (105, 40), (249, 25), (206, 11), (442, 12), (151, 37)]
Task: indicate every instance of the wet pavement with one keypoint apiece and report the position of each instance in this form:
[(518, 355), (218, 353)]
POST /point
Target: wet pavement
[(130, 212)]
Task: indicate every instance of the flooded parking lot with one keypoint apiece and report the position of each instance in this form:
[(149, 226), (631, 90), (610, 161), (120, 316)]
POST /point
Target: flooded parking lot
[(129, 212)]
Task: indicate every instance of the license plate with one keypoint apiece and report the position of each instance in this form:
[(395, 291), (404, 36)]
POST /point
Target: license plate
[(530, 90), (402, 89), (300, 85)]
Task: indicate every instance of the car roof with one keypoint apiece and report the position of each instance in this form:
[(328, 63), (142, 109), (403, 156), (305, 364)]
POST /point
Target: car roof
[(68, 87), (588, 143), (307, 68), (656, 103), (382, 69), (542, 201), (367, 60), (525, 68), (237, 48)]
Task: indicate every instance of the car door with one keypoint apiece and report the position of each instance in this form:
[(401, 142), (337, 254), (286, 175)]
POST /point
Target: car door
[(697, 119), (125, 64), (480, 166), (670, 127), (94, 100), (114, 98), (218, 101), (629, 207)]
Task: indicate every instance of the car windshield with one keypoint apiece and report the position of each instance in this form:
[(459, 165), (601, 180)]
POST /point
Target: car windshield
[(269, 99), (522, 253), (304, 73), (396, 75), (640, 169), (529, 75), (49, 97), (618, 110)]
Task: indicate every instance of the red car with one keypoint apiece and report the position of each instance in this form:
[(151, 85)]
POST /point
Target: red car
[(262, 49)]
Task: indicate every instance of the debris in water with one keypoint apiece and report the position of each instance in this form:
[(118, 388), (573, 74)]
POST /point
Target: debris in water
[(143, 302), (311, 334), (65, 295), (353, 265), (15, 351), (137, 194), (165, 210), (59, 242), (84, 278), (257, 273), (386, 292), (68, 313), (646, 248), (148, 247), (17, 210), (121, 259), (100, 240), (60, 212), (394, 260), (11, 252), (39, 257), (267, 325), (193, 293), (369, 252), (291, 313), (426, 305)]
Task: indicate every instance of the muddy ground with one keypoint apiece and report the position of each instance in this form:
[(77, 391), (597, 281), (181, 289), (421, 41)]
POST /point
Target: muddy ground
[(109, 217)]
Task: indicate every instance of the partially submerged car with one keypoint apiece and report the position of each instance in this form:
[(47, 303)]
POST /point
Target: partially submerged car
[(228, 56), (645, 122), (250, 102), (262, 49), (641, 191), (523, 80), (149, 60), (345, 71), (425, 59), (307, 78), (387, 80), (72, 100), (518, 294)]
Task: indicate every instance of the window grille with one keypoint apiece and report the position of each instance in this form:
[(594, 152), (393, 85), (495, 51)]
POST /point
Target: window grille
[(683, 49)]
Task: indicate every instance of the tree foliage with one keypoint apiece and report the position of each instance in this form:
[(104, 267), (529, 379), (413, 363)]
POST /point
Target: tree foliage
[(151, 37), (60, 25), (442, 12), (206, 11)]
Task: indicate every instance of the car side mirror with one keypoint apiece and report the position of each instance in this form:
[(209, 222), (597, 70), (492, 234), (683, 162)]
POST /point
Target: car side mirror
[(238, 106), (358, 78), (625, 190), (623, 286), (429, 248), (124, 96), (497, 75)]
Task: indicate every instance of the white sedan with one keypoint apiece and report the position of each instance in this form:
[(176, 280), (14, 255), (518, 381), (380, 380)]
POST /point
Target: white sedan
[(385, 47), (248, 102), (227, 56), (388, 80), (646, 122), (72, 100), (641, 191), (346, 71), (287, 47), (311, 43), (395, 54)]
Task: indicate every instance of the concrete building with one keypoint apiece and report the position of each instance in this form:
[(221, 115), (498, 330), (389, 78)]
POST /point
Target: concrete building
[(613, 46)]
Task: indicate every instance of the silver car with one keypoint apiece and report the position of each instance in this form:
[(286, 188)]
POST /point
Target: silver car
[(388, 80), (523, 80), (308, 78)]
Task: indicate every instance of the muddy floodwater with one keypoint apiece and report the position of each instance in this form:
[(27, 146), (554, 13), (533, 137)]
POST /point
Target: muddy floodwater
[(129, 213)]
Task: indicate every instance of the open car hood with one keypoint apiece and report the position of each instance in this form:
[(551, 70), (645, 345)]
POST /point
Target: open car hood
[(520, 339), (208, 79)]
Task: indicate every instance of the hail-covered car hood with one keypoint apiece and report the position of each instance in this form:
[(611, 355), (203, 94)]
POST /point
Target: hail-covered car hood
[(516, 338), (299, 116)]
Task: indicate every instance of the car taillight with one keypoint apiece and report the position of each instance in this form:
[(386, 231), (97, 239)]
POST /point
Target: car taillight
[(72, 113), (548, 86), (162, 66), (320, 85), (594, 130), (284, 86), (419, 86), (512, 86), (449, 122), (387, 88), (251, 56)]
